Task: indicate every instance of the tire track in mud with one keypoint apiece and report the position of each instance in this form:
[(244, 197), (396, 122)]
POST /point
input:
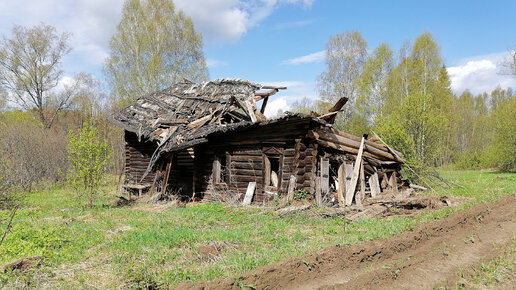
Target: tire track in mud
[(425, 257)]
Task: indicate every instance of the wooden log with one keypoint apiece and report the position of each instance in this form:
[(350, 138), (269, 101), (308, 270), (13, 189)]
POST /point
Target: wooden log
[(291, 188), (341, 177), (374, 185), (347, 149), (356, 144), (350, 192), (246, 172), (246, 165), (249, 193), (419, 187)]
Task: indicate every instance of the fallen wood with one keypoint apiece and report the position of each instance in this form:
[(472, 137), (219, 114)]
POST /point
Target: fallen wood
[(291, 187), (419, 187), (354, 178), (374, 185), (249, 193)]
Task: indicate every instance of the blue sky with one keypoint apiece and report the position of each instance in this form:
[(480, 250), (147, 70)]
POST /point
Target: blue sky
[(282, 41)]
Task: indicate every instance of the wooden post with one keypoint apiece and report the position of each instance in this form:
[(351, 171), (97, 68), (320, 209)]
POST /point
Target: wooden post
[(167, 174), (394, 182), (262, 110), (216, 171), (291, 187), (249, 193), (267, 171), (325, 176), (348, 168), (350, 192), (374, 185), (341, 177), (361, 195)]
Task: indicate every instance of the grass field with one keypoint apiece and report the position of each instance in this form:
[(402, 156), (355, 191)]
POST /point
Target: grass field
[(160, 245)]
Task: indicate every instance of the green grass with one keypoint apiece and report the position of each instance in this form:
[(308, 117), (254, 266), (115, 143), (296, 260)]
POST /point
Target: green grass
[(153, 245)]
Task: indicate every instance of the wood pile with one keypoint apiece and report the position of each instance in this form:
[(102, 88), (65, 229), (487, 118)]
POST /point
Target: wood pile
[(368, 162)]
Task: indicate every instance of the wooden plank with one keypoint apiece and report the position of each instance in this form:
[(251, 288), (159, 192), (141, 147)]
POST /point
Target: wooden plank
[(374, 185), (167, 174), (393, 182), (341, 177), (361, 196), (216, 171), (266, 171), (249, 193), (348, 168), (350, 191), (291, 187), (325, 176)]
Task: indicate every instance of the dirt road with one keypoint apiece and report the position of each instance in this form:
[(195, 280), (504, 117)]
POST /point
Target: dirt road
[(424, 258)]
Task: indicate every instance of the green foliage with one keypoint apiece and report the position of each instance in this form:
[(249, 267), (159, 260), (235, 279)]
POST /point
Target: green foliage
[(89, 158), (153, 47), (300, 194), (502, 150)]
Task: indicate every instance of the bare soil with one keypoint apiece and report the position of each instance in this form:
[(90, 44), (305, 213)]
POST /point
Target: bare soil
[(426, 257)]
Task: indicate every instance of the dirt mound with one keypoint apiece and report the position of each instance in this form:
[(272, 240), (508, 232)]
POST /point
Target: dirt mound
[(425, 257), (211, 249), (23, 264)]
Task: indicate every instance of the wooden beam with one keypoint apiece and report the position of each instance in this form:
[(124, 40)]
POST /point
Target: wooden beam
[(350, 192), (341, 177), (291, 187), (262, 110), (338, 139), (167, 174), (361, 196), (325, 175), (374, 185), (249, 193)]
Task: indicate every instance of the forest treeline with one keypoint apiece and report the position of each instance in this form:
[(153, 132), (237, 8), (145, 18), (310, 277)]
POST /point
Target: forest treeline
[(404, 97)]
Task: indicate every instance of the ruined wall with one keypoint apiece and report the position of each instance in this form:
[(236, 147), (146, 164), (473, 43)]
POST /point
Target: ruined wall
[(137, 157)]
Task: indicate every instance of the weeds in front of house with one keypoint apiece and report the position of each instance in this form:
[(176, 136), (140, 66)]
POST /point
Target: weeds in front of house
[(145, 246)]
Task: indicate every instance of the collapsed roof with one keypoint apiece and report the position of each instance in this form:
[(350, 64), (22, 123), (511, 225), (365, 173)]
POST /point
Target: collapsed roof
[(171, 117)]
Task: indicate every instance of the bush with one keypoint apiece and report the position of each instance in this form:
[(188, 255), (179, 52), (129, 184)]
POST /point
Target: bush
[(89, 158)]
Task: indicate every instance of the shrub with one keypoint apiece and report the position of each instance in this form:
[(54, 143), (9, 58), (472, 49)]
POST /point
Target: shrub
[(89, 158)]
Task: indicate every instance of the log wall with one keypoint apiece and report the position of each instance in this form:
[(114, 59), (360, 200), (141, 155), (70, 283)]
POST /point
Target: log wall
[(137, 157)]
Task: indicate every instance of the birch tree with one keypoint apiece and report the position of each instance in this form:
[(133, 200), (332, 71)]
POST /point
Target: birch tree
[(345, 57), (30, 70), (153, 47)]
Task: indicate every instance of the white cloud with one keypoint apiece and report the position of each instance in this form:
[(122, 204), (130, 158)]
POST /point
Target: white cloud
[(276, 106), (309, 58), (296, 91), (93, 22), (480, 74), (223, 21)]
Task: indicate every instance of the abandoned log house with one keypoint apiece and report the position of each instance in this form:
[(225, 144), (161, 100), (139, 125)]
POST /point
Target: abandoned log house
[(210, 141)]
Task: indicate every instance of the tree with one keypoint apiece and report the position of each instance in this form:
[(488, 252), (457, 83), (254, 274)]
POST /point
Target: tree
[(30, 69), (154, 46), (372, 89), (502, 150), (345, 57), (89, 158), (418, 98)]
